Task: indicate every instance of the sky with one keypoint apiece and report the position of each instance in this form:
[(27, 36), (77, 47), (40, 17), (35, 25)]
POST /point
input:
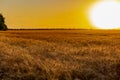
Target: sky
[(46, 13)]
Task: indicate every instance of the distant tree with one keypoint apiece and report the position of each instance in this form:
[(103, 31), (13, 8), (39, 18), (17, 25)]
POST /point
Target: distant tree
[(3, 26)]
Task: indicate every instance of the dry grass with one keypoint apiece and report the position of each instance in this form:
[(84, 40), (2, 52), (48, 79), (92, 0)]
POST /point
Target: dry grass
[(60, 55)]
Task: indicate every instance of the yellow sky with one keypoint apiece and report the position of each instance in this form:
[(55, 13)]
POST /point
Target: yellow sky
[(46, 13)]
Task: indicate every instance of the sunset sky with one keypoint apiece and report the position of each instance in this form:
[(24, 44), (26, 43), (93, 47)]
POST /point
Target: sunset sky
[(46, 13)]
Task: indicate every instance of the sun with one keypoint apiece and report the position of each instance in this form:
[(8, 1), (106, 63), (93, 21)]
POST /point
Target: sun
[(105, 14)]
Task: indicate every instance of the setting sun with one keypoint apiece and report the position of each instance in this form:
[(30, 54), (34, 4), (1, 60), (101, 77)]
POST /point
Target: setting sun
[(105, 14)]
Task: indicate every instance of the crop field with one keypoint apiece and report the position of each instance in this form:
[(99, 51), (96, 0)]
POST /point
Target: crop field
[(60, 55)]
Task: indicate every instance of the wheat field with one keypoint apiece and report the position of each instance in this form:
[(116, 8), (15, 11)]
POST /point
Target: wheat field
[(60, 55)]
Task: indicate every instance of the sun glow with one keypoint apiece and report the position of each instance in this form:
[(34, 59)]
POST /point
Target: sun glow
[(105, 14)]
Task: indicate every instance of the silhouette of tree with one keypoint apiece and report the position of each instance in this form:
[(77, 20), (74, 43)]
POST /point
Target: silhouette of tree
[(3, 26)]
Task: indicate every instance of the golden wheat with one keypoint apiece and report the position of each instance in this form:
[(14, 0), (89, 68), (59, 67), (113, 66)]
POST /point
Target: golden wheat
[(60, 55)]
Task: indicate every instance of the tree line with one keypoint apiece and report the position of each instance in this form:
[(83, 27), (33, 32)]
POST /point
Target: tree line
[(3, 26)]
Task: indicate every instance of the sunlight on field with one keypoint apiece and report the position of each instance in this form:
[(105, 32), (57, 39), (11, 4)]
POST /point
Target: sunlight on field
[(59, 55)]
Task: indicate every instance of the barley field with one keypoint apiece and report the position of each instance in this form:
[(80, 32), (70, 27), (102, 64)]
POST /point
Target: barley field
[(60, 55)]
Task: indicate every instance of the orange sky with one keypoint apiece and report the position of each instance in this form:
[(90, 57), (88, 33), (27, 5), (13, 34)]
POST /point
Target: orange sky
[(45, 13)]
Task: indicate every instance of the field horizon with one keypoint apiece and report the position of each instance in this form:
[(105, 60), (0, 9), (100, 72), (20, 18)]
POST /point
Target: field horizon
[(60, 29), (60, 54)]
